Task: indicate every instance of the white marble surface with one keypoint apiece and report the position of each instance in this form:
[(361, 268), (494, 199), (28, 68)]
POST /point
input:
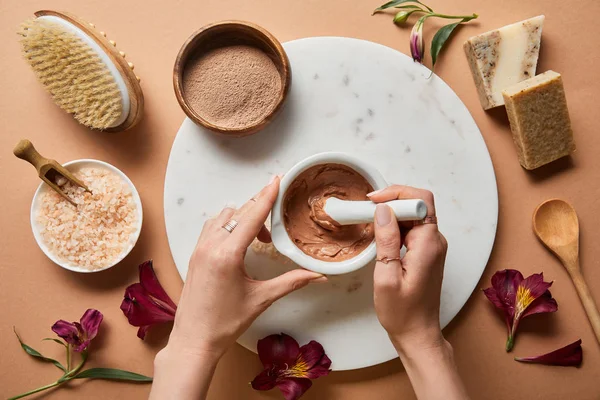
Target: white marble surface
[(373, 102)]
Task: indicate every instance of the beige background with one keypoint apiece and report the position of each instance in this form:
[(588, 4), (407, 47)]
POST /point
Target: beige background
[(34, 293)]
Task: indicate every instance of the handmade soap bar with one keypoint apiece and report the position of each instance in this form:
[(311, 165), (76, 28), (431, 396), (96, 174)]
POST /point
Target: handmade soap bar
[(503, 57), (539, 119)]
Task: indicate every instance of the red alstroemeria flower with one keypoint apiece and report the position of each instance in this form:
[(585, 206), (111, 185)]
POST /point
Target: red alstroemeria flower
[(518, 298), (79, 334), (289, 366), (146, 303), (569, 356)]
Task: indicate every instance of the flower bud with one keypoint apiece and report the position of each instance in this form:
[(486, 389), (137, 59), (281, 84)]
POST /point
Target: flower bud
[(401, 17), (416, 42)]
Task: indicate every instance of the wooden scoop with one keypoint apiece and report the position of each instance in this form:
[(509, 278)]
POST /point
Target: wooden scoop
[(49, 171), (555, 224)]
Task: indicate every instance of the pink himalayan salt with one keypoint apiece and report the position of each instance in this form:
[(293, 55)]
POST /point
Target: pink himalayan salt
[(96, 233)]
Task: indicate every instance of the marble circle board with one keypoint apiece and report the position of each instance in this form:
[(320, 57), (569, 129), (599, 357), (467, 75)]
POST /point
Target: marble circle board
[(373, 102)]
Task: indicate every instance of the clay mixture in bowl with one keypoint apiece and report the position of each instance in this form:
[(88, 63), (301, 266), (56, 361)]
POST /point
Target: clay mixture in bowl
[(307, 224)]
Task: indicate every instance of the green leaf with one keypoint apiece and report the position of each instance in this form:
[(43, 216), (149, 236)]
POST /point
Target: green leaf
[(34, 353), (55, 340), (410, 7), (439, 39), (396, 3), (112, 373)]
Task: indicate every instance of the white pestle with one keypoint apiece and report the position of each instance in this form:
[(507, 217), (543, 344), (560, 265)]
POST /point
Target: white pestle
[(347, 212)]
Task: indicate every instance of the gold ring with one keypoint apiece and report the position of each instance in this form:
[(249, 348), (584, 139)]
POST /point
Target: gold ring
[(431, 219), (386, 260), (230, 225)]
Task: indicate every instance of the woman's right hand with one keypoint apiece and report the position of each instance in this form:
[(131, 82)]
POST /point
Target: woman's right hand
[(407, 290)]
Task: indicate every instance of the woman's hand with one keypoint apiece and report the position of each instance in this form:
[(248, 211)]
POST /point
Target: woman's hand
[(407, 296), (219, 300), (407, 291)]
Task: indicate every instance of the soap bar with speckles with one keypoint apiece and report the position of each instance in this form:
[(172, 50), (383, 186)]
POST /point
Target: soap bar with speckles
[(503, 57), (539, 119)]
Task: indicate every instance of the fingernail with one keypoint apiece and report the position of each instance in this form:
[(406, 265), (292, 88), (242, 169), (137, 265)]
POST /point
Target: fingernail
[(273, 179), (383, 214), (229, 204), (319, 279), (374, 192)]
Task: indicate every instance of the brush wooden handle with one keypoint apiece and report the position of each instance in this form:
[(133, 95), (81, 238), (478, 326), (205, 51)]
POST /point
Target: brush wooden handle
[(585, 296), (25, 151)]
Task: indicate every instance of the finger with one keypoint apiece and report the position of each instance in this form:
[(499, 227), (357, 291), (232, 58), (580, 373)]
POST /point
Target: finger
[(253, 217), (422, 239), (224, 216), (243, 210), (387, 239), (212, 225), (217, 231), (425, 256), (276, 288), (398, 192), (264, 235)]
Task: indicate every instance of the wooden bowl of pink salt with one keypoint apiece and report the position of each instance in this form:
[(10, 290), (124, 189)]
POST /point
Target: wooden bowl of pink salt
[(100, 231)]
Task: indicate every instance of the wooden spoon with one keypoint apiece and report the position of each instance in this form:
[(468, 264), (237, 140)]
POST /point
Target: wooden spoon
[(555, 224), (50, 171)]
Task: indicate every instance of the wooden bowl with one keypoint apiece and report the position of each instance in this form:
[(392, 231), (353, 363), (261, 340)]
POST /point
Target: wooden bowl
[(227, 33)]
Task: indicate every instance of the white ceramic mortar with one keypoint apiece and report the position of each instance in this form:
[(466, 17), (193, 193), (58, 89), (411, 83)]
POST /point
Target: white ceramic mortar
[(281, 239)]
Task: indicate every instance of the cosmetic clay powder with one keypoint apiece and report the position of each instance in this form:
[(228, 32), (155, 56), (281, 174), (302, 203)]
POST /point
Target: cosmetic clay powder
[(232, 86)]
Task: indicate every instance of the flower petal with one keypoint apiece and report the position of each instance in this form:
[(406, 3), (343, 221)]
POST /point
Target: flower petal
[(140, 309), (266, 380), (536, 285), (529, 290), (529, 293), (141, 333), (68, 331), (90, 322), (569, 356), (149, 281), (278, 350), (313, 360), (503, 292), (492, 296), (293, 388), (84, 345), (506, 283), (544, 303)]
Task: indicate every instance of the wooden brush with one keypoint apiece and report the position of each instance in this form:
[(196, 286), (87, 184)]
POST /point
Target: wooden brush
[(83, 71), (50, 171)]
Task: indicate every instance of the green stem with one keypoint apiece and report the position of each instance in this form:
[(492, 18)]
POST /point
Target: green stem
[(426, 6), (36, 390), (510, 342), (68, 357), (66, 377), (465, 17), (74, 372)]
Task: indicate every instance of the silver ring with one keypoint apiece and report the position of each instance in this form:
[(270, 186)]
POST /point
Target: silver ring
[(230, 225)]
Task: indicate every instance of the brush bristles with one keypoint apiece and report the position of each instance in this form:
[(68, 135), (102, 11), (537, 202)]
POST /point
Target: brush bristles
[(76, 77)]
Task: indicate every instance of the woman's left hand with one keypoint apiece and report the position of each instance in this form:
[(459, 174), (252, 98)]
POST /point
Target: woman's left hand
[(219, 300)]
